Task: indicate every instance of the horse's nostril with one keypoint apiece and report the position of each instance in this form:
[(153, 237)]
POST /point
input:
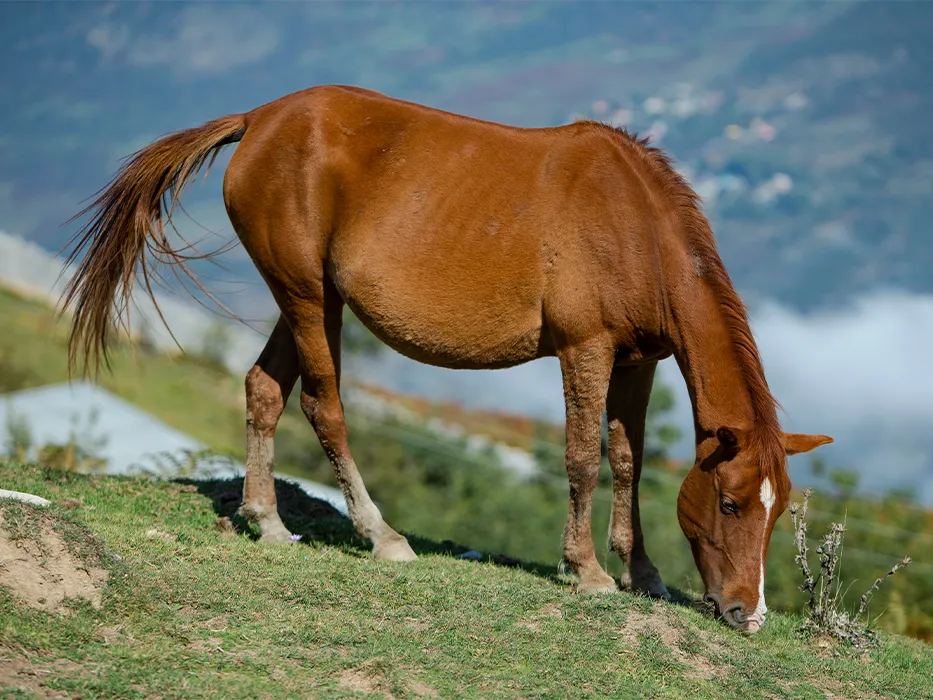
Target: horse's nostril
[(736, 613)]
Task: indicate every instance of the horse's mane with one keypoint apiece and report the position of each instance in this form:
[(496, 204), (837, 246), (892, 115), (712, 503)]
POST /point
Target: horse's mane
[(766, 434)]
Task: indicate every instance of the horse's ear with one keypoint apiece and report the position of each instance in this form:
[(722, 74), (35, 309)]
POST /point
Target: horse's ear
[(795, 443), (727, 438)]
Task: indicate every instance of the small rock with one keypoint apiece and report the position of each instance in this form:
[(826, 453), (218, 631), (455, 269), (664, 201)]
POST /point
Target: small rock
[(472, 555), (24, 497)]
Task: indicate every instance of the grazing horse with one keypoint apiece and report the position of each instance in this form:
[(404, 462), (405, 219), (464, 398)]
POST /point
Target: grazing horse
[(469, 244)]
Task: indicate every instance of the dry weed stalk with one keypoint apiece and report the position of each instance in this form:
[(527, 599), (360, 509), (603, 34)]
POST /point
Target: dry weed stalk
[(824, 615)]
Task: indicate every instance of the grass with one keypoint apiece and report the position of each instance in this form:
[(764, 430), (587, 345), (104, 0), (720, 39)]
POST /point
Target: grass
[(401, 468), (195, 609)]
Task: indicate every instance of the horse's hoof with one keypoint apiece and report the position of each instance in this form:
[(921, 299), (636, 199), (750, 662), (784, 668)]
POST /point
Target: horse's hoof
[(649, 584), (274, 533), (597, 585), (394, 550)]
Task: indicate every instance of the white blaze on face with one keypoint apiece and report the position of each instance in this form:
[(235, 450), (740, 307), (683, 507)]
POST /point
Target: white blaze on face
[(767, 500)]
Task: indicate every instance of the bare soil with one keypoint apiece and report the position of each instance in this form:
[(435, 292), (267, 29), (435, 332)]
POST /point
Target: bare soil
[(42, 572)]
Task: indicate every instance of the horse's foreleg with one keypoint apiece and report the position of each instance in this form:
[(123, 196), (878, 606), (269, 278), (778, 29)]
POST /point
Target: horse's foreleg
[(626, 409), (268, 385), (316, 326), (586, 373)]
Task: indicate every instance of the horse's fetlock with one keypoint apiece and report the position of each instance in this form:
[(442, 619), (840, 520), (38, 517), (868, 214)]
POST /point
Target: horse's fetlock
[(255, 513)]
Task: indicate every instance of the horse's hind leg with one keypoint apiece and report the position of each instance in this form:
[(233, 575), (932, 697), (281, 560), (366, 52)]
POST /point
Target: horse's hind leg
[(316, 324), (626, 410), (268, 385)]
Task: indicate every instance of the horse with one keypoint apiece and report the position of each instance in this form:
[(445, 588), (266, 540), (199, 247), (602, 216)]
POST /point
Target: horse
[(470, 244)]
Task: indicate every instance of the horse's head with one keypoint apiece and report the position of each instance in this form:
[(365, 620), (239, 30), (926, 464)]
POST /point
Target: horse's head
[(727, 508)]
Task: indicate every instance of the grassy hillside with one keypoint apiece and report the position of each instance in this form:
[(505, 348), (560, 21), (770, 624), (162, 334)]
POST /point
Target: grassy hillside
[(436, 487), (191, 607), (33, 352)]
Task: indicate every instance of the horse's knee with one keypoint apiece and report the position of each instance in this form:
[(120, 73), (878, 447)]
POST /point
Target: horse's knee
[(264, 401), (583, 477)]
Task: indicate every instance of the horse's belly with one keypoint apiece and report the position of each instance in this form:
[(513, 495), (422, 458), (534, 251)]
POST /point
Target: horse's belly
[(444, 315), (456, 345)]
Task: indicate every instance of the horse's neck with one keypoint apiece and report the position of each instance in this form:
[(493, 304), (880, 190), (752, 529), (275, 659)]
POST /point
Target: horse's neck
[(705, 349)]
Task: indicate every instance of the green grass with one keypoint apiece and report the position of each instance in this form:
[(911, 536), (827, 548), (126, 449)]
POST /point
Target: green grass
[(433, 486), (192, 610)]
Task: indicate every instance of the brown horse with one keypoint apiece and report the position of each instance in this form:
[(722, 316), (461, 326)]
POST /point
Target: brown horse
[(469, 244)]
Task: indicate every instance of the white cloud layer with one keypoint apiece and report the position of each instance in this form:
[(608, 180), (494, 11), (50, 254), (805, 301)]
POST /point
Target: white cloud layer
[(863, 375)]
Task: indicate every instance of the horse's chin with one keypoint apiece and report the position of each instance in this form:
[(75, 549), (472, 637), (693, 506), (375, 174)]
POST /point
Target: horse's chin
[(745, 624), (752, 626), (737, 620)]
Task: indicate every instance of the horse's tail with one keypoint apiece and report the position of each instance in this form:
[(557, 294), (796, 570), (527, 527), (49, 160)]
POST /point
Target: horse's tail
[(129, 218)]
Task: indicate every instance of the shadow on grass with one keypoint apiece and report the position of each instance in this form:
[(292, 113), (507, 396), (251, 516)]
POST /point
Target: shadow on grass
[(319, 522), (315, 520)]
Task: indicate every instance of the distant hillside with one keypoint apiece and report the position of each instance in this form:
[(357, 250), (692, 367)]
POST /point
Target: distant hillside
[(805, 126), (816, 162), (28, 359), (32, 272)]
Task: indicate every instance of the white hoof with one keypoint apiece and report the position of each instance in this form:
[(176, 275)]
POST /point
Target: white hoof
[(394, 550), (596, 584), (274, 532)]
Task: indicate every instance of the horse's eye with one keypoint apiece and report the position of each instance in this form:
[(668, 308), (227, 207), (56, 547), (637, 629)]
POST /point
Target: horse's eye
[(728, 507)]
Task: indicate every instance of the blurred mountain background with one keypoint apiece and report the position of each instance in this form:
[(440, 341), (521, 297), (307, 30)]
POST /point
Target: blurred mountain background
[(804, 126)]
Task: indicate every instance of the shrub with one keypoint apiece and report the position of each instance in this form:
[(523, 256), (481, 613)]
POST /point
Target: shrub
[(824, 615)]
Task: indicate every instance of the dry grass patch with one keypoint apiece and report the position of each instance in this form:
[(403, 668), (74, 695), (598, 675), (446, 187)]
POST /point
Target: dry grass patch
[(682, 643), (28, 676)]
